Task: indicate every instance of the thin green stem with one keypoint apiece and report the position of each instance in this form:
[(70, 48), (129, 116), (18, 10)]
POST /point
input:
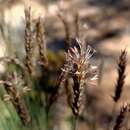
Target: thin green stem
[(47, 120), (47, 112), (75, 123)]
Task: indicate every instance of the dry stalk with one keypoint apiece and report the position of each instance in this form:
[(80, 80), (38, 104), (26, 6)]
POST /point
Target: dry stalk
[(55, 94), (76, 22), (67, 31)]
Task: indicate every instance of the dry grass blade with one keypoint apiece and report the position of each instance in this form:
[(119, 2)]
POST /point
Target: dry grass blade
[(121, 76)]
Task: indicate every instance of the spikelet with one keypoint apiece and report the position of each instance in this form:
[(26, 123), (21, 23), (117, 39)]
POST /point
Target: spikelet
[(121, 117), (40, 38), (28, 41), (16, 98), (17, 62), (121, 76)]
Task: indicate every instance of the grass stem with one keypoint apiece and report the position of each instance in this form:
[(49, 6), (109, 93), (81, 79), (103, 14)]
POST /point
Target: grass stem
[(75, 123)]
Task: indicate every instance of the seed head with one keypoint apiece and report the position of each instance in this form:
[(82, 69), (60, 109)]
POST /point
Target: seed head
[(78, 67)]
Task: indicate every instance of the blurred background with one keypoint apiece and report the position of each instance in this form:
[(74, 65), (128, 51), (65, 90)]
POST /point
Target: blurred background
[(106, 27)]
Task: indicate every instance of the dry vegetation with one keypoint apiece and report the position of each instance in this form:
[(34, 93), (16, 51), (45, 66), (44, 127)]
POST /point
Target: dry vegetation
[(48, 88)]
